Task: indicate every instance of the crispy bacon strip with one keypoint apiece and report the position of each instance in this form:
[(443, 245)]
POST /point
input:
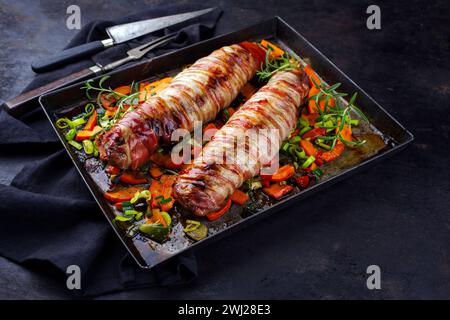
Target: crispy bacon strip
[(206, 186), (198, 93)]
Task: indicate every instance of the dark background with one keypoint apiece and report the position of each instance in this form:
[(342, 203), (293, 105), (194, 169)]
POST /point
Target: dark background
[(395, 215)]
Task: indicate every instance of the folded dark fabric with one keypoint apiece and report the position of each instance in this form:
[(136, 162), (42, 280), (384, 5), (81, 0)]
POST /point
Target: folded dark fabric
[(49, 220)]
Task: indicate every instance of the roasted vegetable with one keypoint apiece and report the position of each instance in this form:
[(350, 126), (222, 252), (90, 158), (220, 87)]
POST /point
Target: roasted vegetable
[(195, 230), (283, 173), (239, 197), (216, 215), (121, 194), (277, 191)]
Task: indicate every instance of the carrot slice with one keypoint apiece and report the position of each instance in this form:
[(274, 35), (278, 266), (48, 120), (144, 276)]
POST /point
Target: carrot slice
[(312, 76), (283, 173), (125, 90), (309, 148), (92, 122), (153, 88), (162, 191), (133, 178), (155, 172), (277, 191), (122, 194), (239, 197), (276, 51), (216, 215), (87, 134), (334, 153)]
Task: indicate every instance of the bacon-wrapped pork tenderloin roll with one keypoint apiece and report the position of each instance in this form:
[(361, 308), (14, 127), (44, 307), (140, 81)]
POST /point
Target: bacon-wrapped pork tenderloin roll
[(210, 181), (197, 93)]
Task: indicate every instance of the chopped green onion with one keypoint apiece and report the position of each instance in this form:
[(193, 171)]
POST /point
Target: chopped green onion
[(285, 147), (354, 122), (295, 165), (89, 109), (304, 130), (191, 225), (308, 162), (77, 122), (317, 173), (300, 154), (323, 145), (123, 219), (63, 123), (294, 139), (88, 146), (303, 122), (75, 144), (70, 135)]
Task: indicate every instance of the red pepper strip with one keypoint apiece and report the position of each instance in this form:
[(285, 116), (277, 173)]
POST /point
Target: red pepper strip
[(121, 195), (283, 173), (132, 178), (314, 133), (239, 197), (92, 122), (257, 52), (216, 215), (118, 205), (108, 101), (309, 148), (277, 191), (302, 182)]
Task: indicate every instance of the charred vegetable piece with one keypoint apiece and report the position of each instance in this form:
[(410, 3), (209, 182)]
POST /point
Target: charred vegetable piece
[(239, 197), (122, 194), (313, 77), (158, 226), (155, 172), (216, 215), (302, 182), (277, 191), (196, 230), (314, 133), (162, 192)]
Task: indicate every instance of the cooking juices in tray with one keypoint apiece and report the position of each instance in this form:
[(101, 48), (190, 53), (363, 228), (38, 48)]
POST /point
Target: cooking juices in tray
[(331, 136)]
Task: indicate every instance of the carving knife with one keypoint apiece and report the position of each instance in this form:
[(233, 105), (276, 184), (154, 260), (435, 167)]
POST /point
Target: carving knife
[(117, 34)]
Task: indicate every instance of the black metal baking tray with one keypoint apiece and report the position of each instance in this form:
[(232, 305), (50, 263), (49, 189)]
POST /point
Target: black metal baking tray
[(148, 255)]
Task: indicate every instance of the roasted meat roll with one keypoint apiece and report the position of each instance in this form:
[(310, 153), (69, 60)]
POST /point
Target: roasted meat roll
[(210, 181), (197, 93)]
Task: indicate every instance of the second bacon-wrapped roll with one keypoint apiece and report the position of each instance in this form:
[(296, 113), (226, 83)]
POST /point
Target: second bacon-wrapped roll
[(198, 93), (221, 168)]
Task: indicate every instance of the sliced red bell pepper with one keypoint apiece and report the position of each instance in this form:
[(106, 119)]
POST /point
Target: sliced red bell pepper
[(277, 191), (283, 173), (256, 51), (133, 178), (122, 194), (239, 197), (302, 182), (314, 133), (216, 215)]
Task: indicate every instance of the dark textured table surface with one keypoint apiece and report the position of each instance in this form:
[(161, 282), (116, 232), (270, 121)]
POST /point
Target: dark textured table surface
[(395, 215)]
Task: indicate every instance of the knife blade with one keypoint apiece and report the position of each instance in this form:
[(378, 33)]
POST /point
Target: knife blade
[(26, 101), (117, 34)]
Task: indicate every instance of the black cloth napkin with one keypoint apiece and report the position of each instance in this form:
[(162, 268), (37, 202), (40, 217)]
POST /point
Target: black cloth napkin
[(49, 220)]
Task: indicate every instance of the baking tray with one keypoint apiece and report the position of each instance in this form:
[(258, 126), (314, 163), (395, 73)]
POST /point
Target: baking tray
[(148, 255)]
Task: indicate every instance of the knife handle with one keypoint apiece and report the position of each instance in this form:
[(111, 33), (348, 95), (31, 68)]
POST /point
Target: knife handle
[(27, 101), (70, 55)]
